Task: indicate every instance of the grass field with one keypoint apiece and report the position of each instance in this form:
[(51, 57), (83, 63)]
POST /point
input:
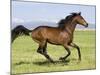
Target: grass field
[(25, 58)]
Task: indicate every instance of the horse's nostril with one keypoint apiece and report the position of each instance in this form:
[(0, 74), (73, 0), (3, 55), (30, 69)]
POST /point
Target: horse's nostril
[(86, 25)]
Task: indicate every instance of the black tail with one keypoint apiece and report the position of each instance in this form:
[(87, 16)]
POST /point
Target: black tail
[(19, 30)]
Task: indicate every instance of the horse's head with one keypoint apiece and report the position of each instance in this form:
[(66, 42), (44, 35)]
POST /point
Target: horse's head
[(80, 20)]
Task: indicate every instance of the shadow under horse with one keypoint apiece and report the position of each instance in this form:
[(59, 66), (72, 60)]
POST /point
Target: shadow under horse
[(60, 35)]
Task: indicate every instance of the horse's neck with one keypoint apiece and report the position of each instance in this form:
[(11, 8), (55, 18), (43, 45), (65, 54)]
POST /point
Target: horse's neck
[(70, 27)]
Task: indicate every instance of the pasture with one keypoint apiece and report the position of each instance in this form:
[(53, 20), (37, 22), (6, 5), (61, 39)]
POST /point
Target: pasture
[(25, 59)]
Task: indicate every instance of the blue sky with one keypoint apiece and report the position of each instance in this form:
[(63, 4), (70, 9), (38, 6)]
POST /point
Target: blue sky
[(32, 11)]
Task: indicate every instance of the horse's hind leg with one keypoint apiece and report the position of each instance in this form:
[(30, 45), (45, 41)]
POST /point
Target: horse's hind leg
[(42, 46), (48, 57), (45, 53), (42, 50), (68, 50)]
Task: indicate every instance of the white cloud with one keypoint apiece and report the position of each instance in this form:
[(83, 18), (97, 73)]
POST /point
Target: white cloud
[(44, 20), (21, 21)]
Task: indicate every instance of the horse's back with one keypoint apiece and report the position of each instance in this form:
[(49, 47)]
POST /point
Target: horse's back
[(51, 34), (43, 32)]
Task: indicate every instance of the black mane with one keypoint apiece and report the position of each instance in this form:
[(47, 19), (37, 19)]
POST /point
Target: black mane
[(62, 22)]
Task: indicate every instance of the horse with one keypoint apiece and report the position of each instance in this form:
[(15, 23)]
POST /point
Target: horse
[(60, 35)]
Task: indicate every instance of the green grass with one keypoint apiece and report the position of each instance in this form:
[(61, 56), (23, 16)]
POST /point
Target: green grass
[(25, 58)]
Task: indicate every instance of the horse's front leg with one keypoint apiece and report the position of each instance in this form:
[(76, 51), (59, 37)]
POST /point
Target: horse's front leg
[(78, 49), (68, 50)]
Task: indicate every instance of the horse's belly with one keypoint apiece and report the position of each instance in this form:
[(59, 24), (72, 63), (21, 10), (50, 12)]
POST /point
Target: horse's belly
[(56, 40), (53, 42)]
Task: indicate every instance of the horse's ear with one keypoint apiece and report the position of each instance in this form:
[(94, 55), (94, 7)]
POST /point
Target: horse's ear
[(74, 14), (79, 13)]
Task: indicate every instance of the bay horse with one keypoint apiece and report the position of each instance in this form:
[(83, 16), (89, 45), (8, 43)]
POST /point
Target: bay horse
[(60, 35)]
